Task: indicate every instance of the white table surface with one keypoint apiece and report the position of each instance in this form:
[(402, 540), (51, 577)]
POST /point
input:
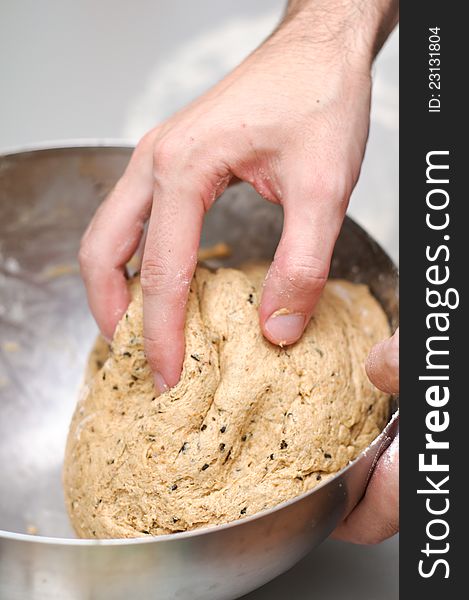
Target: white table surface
[(114, 68)]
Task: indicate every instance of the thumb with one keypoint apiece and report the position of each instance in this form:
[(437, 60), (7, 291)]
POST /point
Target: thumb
[(382, 365)]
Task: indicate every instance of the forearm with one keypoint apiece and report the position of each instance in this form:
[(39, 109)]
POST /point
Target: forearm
[(355, 26)]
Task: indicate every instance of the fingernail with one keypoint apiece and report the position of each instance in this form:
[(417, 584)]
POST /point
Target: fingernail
[(160, 383), (283, 328)]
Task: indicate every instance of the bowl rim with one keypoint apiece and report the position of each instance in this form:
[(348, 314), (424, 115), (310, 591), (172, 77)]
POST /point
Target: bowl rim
[(377, 443), (69, 144)]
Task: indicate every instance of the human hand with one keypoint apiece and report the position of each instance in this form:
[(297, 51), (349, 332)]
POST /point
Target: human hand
[(292, 120), (376, 517)]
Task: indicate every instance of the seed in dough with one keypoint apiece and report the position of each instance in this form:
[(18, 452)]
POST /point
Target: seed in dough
[(249, 425)]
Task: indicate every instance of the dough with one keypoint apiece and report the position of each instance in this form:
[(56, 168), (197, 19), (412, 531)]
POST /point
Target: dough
[(248, 426)]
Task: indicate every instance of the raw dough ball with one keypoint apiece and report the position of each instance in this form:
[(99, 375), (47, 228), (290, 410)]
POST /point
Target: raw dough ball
[(248, 426)]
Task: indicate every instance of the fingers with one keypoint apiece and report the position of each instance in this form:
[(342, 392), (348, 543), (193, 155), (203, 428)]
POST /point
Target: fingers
[(382, 365), (169, 262), (301, 264), (112, 238), (376, 517)]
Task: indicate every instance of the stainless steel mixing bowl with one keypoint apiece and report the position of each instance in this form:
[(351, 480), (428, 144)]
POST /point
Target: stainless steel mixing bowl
[(46, 200)]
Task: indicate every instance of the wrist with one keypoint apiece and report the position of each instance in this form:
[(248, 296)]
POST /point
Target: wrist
[(353, 30)]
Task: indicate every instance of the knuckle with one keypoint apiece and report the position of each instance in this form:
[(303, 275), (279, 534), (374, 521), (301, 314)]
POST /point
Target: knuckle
[(158, 277), (165, 151), (152, 342), (332, 188), (186, 145), (306, 275), (153, 274), (145, 144), (85, 255)]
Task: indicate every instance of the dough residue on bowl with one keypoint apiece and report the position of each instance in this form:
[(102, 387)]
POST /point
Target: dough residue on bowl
[(248, 426)]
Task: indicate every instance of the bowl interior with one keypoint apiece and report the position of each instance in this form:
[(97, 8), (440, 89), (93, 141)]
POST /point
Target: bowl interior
[(47, 198)]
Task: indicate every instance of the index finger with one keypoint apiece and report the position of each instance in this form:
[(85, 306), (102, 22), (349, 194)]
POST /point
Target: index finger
[(111, 240)]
